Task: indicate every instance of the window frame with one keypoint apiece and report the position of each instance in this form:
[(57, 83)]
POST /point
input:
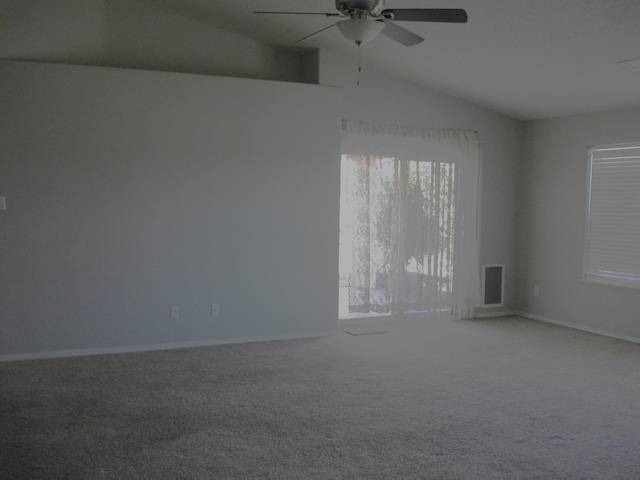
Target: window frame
[(616, 279)]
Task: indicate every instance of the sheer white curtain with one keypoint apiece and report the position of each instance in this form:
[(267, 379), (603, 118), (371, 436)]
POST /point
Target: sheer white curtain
[(413, 193)]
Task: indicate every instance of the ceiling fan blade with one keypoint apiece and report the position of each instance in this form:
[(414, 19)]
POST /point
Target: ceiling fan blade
[(314, 33), (302, 13), (401, 35), (447, 15)]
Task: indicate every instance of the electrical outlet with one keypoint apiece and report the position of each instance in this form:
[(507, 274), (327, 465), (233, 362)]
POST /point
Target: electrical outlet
[(215, 310), (175, 313)]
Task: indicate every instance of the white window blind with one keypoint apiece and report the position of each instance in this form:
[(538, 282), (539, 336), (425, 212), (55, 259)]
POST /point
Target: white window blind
[(612, 243)]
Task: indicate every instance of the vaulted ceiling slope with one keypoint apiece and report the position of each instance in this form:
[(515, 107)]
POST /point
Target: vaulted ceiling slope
[(528, 59)]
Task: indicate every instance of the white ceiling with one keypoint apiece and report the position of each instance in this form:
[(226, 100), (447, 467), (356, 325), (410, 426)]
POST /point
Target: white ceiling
[(530, 59)]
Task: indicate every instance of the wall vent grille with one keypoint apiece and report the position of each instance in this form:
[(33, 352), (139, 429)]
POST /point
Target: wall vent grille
[(493, 285)]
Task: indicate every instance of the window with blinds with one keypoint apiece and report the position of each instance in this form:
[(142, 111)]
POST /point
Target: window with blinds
[(612, 240)]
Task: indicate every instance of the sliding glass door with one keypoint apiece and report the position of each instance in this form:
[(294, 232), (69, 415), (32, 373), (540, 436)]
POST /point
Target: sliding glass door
[(397, 228)]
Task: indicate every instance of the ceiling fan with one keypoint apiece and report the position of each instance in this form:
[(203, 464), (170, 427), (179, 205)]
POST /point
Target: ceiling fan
[(365, 19)]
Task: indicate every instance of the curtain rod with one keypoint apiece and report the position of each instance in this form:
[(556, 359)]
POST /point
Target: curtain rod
[(405, 126)]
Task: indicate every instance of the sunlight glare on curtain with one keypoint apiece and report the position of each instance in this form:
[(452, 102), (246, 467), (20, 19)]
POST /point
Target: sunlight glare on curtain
[(402, 224)]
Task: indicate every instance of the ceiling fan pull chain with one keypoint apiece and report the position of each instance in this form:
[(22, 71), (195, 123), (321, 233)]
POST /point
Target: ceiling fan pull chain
[(359, 64)]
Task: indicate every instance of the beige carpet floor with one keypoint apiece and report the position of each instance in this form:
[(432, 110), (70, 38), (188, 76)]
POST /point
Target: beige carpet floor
[(504, 398)]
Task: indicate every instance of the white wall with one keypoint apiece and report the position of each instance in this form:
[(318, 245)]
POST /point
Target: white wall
[(384, 98), (77, 223), (131, 191), (124, 33), (553, 210)]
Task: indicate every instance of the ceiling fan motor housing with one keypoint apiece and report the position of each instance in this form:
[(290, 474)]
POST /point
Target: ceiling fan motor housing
[(350, 7)]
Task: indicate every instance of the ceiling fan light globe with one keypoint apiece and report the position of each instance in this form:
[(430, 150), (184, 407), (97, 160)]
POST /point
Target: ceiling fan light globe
[(360, 30)]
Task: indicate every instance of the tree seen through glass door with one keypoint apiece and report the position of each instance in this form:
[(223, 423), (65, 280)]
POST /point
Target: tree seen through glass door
[(396, 235)]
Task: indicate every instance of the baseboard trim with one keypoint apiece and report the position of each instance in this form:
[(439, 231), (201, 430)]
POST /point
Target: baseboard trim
[(82, 352), (577, 326), (505, 313)]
